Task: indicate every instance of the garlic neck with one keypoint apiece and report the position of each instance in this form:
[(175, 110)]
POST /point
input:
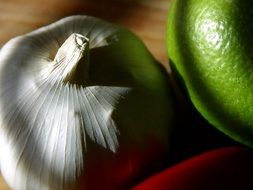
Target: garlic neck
[(72, 59)]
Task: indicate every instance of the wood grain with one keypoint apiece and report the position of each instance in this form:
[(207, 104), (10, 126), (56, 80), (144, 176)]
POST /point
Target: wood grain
[(146, 18)]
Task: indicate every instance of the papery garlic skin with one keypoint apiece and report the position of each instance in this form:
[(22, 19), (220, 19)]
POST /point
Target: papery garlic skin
[(68, 56), (45, 118)]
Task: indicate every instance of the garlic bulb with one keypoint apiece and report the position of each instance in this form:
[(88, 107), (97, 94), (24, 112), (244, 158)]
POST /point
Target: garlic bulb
[(83, 105), (49, 106)]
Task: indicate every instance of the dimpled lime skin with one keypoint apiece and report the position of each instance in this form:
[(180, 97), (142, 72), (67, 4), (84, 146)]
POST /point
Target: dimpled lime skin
[(210, 47)]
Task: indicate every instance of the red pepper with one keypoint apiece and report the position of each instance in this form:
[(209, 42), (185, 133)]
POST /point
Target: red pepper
[(222, 169)]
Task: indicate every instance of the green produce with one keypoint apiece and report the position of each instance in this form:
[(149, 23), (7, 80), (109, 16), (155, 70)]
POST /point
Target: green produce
[(210, 45)]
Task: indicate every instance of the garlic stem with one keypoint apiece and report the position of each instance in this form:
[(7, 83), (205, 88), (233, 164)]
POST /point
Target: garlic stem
[(73, 53)]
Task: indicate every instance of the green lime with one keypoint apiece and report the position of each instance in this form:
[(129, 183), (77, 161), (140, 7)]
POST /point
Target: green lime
[(210, 46)]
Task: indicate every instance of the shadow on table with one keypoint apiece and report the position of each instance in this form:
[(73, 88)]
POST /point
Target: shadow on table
[(111, 10)]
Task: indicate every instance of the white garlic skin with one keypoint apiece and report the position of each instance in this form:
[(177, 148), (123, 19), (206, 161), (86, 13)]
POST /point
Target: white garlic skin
[(44, 118), (105, 134)]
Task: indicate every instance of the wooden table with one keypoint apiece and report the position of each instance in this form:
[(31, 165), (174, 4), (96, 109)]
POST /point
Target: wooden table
[(146, 18)]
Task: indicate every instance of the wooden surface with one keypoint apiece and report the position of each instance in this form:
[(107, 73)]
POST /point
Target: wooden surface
[(146, 18)]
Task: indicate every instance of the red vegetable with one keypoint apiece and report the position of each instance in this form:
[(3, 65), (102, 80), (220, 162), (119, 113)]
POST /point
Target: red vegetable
[(221, 169)]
